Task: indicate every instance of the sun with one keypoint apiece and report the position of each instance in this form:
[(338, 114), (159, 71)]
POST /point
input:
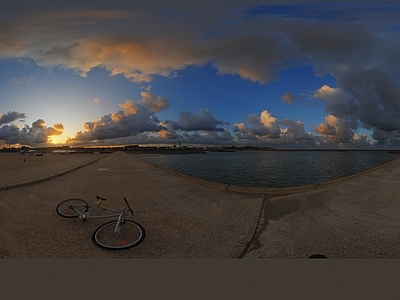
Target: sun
[(56, 140)]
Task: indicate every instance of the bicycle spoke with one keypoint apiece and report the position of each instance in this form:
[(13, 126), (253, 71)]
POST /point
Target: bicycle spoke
[(131, 234), (71, 208)]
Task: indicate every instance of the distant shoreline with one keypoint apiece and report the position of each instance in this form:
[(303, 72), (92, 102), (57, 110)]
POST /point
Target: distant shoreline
[(174, 150)]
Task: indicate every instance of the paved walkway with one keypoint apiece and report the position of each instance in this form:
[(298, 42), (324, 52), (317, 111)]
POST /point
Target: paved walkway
[(18, 170), (357, 218), (182, 218)]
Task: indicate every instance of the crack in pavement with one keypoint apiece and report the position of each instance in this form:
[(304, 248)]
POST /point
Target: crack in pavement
[(262, 222), (270, 210)]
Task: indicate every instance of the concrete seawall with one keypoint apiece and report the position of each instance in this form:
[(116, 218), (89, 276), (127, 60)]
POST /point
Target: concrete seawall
[(261, 190), (343, 179)]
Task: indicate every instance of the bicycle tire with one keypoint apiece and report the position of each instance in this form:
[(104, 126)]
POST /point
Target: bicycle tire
[(132, 234), (64, 209)]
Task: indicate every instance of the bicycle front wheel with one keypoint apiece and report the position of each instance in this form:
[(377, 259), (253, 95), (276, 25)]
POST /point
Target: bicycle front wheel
[(131, 234), (71, 208)]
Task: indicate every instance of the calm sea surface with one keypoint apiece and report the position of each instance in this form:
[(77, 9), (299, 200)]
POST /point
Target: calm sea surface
[(272, 169)]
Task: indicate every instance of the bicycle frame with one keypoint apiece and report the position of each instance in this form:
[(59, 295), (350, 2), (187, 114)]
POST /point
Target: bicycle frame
[(75, 207), (118, 213), (87, 215)]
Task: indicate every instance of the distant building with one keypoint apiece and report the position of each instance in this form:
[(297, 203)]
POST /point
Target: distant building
[(63, 151), (131, 147)]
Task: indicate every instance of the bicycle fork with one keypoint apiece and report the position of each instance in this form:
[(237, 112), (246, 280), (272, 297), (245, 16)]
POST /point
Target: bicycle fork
[(121, 220)]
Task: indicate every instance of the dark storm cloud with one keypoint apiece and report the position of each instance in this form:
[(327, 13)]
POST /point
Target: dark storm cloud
[(11, 134), (201, 127), (378, 96), (254, 49), (37, 134), (208, 137), (11, 116), (296, 132), (368, 97), (119, 124), (202, 120)]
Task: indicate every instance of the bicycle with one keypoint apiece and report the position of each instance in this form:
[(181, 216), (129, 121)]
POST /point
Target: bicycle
[(114, 235)]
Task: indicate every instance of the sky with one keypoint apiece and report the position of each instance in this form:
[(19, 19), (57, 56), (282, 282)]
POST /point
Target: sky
[(282, 74)]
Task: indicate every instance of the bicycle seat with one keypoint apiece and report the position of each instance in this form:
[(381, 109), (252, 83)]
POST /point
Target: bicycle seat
[(100, 198)]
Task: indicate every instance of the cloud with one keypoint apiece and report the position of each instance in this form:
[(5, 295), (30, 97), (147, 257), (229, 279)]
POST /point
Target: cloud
[(339, 104), (265, 126), (168, 133), (39, 133), (132, 120), (361, 140), (386, 138), (251, 40), (288, 98), (209, 137), (56, 129), (295, 133), (35, 135), (96, 101), (202, 120), (154, 103), (19, 81), (11, 134), (368, 97), (266, 130), (134, 41), (336, 130), (254, 50), (118, 124), (137, 123), (378, 95), (201, 127), (11, 116)]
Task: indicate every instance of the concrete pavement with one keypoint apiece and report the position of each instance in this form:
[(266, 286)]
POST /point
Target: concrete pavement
[(184, 218), (18, 170), (355, 218)]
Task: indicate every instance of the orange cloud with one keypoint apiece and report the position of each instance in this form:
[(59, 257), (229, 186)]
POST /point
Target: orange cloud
[(57, 129), (325, 92), (153, 103), (267, 119), (335, 130), (129, 107)]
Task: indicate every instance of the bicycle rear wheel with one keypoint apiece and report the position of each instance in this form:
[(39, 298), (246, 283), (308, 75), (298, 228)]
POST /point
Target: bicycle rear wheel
[(71, 208), (131, 234)]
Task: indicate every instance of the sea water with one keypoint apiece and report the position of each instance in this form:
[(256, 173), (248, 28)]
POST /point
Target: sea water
[(272, 168)]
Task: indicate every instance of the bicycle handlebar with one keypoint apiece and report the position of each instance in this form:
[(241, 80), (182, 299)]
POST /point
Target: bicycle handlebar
[(129, 207)]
